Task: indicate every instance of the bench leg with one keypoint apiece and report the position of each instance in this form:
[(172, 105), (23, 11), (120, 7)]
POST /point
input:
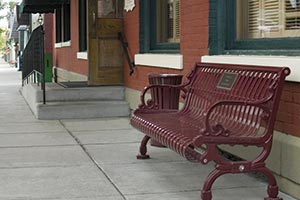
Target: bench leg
[(143, 148), (211, 178), (272, 187)]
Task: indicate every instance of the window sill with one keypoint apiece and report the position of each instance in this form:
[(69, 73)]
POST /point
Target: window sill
[(62, 44), (160, 60), (276, 61), (82, 55)]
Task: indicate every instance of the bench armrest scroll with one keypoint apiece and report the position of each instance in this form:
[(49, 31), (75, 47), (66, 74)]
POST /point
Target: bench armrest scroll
[(264, 104), (149, 104), (218, 129)]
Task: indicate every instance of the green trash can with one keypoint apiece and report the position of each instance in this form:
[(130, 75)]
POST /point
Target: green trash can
[(48, 67)]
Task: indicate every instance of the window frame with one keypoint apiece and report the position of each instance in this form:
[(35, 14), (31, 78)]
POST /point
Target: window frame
[(63, 24), (148, 42), (222, 35), (82, 26), (66, 22), (58, 25)]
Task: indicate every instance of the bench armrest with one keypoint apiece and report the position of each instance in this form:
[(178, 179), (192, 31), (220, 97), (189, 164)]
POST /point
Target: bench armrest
[(218, 129), (150, 104)]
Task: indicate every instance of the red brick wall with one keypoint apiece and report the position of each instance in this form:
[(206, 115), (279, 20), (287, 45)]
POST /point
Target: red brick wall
[(131, 32), (288, 117), (193, 40), (48, 27), (66, 57)]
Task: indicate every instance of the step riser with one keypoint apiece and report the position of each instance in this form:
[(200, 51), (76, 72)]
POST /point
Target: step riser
[(76, 103), (82, 95), (51, 96), (58, 93)]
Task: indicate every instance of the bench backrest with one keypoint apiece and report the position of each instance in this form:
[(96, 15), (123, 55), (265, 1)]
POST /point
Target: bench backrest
[(211, 83)]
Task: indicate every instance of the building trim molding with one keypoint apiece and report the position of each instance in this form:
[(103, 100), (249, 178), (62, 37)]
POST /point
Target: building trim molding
[(275, 61), (172, 61)]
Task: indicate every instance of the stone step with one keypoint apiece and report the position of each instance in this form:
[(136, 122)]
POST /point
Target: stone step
[(55, 92), (81, 110), (76, 103)]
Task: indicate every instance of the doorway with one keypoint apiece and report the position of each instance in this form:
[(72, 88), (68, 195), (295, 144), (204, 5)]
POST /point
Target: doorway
[(105, 53)]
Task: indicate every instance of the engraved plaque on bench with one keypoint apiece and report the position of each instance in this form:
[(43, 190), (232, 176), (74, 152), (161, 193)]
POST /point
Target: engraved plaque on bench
[(227, 80)]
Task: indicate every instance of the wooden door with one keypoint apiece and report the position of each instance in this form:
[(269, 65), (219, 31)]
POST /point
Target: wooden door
[(105, 53)]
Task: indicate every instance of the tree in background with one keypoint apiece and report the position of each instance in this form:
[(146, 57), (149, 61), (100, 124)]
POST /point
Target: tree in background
[(7, 10), (8, 7), (11, 8), (3, 5), (2, 40)]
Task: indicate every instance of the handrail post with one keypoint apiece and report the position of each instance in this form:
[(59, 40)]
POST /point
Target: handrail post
[(34, 75), (43, 78)]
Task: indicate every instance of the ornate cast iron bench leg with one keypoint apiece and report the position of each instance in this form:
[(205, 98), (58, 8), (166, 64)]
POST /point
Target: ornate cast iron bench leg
[(143, 148), (272, 187), (211, 178)]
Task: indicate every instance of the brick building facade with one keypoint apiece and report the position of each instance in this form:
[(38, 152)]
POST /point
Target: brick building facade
[(201, 39), (195, 41)]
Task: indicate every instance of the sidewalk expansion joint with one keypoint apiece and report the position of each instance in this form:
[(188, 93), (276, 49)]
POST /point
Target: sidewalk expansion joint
[(92, 159)]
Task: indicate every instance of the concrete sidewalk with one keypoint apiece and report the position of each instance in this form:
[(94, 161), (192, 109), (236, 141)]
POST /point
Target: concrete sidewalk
[(95, 160)]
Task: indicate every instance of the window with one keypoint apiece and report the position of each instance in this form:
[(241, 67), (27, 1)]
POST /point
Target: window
[(82, 26), (168, 21), (63, 23), (258, 27), (160, 26), (110, 8), (268, 18), (58, 25)]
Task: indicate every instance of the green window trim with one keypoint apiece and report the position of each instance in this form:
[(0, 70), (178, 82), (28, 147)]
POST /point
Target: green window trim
[(58, 25), (148, 42), (222, 35), (63, 23), (82, 26), (66, 22)]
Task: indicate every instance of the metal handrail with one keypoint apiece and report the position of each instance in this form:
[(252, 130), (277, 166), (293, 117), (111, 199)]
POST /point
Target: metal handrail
[(126, 50), (33, 60), (33, 77)]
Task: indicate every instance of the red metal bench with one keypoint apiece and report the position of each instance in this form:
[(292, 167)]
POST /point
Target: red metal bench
[(223, 104)]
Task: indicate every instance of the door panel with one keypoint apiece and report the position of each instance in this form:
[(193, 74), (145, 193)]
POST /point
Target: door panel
[(105, 49)]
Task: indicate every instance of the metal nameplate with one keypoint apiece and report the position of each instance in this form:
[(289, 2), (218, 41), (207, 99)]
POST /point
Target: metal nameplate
[(227, 80)]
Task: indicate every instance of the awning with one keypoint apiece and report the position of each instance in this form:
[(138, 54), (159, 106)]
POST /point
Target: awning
[(23, 18), (41, 6)]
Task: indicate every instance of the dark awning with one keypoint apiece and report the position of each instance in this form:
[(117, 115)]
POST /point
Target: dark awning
[(41, 6), (23, 18)]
